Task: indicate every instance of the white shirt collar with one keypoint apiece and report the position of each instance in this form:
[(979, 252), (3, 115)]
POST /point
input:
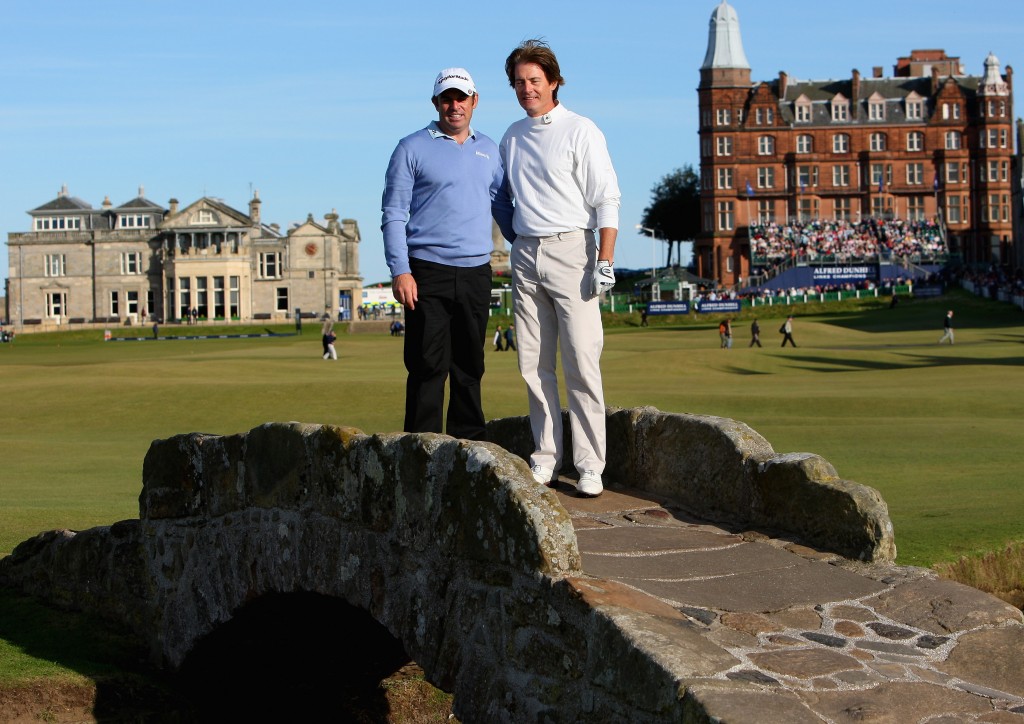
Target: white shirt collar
[(435, 131)]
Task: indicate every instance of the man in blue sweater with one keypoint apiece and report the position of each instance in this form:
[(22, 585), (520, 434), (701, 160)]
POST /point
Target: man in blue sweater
[(440, 184)]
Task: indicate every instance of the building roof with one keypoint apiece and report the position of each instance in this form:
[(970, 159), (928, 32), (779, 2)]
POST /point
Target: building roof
[(139, 203), (725, 46), (894, 91), (63, 202)]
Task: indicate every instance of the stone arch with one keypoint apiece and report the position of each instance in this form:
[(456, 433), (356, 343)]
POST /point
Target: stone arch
[(432, 536), (297, 657)]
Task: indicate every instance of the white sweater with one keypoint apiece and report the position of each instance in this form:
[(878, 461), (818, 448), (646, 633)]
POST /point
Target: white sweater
[(559, 174)]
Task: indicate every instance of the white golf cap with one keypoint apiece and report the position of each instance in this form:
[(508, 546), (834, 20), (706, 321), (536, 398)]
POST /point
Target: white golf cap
[(458, 78)]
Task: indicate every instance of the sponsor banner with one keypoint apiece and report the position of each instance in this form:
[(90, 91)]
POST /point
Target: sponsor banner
[(927, 291), (668, 308), (843, 274), (719, 306)]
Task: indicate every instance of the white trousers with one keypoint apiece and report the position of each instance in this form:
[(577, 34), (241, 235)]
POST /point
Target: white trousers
[(554, 307)]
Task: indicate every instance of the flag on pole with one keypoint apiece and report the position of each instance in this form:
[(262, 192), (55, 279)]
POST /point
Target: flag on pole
[(750, 189)]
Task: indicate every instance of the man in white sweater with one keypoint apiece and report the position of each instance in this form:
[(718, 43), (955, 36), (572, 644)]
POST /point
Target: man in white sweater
[(560, 178)]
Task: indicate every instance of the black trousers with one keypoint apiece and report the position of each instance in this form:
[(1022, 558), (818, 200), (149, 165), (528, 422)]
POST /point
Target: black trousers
[(444, 340)]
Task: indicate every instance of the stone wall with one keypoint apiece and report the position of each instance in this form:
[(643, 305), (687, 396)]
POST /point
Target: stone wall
[(723, 470), (448, 543)]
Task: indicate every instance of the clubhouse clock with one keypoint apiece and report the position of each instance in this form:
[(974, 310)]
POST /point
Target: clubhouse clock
[(311, 249)]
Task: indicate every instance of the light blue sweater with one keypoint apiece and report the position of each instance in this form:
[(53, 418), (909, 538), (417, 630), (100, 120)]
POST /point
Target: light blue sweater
[(437, 200)]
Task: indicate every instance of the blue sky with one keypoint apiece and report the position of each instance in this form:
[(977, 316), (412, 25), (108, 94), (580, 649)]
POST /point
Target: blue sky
[(305, 101)]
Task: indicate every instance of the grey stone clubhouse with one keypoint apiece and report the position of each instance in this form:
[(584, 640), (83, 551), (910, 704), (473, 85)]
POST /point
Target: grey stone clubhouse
[(138, 263)]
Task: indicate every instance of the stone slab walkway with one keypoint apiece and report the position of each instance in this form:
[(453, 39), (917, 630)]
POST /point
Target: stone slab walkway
[(762, 629)]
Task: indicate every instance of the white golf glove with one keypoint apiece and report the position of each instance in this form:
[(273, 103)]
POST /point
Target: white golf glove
[(604, 277)]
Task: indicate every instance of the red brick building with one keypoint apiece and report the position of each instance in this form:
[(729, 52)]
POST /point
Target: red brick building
[(929, 142)]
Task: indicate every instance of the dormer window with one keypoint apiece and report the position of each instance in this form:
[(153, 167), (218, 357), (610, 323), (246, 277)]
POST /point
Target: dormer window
[(133, 221), (840, 108), (914, 107), (58, 223), (802, 109), (205, 216), (876, 108)]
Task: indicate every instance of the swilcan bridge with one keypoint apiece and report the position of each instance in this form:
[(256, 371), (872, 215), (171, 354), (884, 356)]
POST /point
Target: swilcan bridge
[(715, 580)]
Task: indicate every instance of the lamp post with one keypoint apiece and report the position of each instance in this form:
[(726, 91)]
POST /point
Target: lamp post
[(654, 256)]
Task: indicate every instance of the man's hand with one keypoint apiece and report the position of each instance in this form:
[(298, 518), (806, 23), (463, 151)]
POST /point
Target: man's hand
[(604, 277), (404, 288)]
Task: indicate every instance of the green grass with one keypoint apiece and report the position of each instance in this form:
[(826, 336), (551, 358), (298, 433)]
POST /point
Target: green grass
[(935, 429)]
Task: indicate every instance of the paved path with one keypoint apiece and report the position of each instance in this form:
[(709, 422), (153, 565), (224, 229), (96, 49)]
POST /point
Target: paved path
[(791, 634)]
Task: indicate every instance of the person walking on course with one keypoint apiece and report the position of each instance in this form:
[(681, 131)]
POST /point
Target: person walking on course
[(497, 339), (510, 337), (755, 333), (560, 176), (436, 220), (947, 327), (327, 339), (725, 333), (787, 331)]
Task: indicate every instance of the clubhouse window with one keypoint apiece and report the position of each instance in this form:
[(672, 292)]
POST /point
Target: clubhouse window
[(58, 223), (270, 265), (281, 299), (184, 296), (54, 265), (131, 262), (133, 221), (56, 304)]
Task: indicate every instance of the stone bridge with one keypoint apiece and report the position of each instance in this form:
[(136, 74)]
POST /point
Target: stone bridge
[(715, 579)]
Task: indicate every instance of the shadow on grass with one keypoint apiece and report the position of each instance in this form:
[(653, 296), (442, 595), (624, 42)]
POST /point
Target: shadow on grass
[(47, 640), (298, 657), (812, 363), (915, 315)]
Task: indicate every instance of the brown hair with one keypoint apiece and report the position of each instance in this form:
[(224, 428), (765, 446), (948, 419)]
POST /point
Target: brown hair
[(535, 51)]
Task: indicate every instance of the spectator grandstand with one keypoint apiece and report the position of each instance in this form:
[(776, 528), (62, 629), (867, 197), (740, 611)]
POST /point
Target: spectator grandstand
[(843, 242)]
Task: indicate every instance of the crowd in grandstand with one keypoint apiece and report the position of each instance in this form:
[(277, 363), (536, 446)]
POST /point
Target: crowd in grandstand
[(845, 241), (885, 287)]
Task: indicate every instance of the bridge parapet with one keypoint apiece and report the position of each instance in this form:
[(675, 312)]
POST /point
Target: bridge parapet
[(447, 543)]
